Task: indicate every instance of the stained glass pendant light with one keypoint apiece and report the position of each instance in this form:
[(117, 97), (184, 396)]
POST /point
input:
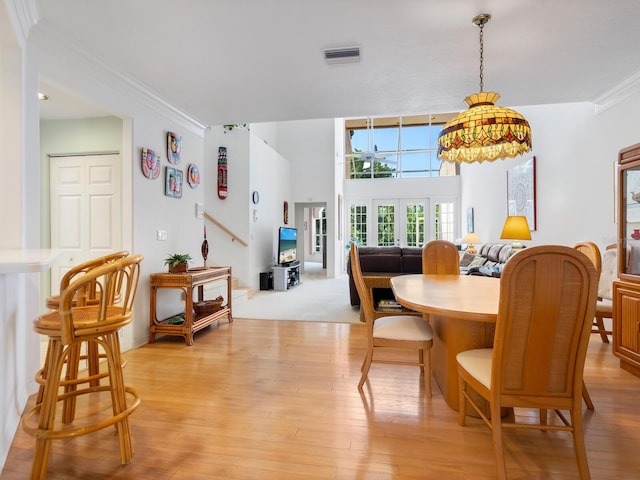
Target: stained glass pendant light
[(484, 131)]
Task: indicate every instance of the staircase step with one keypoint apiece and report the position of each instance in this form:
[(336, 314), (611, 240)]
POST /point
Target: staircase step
[(238, 294)]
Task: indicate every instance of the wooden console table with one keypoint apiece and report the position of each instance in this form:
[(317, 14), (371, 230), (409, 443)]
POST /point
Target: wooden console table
[(186, 282)]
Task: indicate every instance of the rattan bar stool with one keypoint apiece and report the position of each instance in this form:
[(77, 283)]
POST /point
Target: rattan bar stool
[(67, 329), (89, 296)]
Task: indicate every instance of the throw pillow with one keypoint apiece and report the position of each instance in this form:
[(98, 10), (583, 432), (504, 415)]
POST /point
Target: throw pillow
[(477, 262), (466, 259)]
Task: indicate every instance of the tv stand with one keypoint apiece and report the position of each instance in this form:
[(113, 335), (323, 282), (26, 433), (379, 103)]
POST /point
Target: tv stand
[(286, 276)]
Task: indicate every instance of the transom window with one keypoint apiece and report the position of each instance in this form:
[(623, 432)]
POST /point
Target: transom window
[(395, 147)]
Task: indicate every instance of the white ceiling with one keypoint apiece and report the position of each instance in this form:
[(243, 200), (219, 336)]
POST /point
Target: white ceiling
[(238, 61)]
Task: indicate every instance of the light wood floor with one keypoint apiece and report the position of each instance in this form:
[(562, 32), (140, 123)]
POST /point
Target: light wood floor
[(264, 399)]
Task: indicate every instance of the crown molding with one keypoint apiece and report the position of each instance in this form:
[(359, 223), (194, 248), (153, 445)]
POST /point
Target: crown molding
[(617, 94), (58, 46), (23, 14)]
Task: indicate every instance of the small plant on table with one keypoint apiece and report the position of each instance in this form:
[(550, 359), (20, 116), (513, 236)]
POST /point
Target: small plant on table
[(178, 262)]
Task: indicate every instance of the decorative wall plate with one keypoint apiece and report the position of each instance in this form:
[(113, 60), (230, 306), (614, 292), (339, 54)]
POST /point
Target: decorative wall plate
[(193, 175), (150, 162), (174, 147)]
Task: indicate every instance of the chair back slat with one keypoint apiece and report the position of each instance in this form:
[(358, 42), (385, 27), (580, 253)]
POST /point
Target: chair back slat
[(366, 300), (440, 257), (547, 304), (115, 283)]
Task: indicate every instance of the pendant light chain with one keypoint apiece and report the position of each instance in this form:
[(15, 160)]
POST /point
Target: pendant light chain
[(481, 57), (486, 131)]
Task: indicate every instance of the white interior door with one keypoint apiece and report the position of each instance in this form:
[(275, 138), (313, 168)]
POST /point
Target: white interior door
[(86, 209)]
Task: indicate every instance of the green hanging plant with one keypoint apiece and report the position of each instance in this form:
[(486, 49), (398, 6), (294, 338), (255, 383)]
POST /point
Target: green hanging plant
[(230, 126)]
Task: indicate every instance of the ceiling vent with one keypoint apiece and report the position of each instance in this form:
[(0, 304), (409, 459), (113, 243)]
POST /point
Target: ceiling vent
[(342, 55)]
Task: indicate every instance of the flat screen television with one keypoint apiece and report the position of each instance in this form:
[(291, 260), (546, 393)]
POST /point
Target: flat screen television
[(287, 239)]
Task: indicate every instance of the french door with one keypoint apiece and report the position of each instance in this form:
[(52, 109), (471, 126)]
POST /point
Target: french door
[(400, 222)]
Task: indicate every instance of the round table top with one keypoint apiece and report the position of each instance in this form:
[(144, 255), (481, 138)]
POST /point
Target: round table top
[(467, 297)]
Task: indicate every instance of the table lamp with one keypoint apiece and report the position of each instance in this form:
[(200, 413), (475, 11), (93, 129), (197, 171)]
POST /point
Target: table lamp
[(471, 238), (516, 228)]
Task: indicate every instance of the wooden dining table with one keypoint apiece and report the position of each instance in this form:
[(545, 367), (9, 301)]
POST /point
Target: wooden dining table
[(462, 310)]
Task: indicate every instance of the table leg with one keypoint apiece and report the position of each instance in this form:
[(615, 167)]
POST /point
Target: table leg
[(452, 336)]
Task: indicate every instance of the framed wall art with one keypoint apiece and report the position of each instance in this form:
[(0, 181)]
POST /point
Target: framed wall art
[(521, 191), (173, 182), (470, 225)]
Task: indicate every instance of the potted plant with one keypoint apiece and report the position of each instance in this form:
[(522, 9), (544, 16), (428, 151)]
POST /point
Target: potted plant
[(178, 262)]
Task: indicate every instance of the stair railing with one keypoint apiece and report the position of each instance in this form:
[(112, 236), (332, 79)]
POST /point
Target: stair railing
[(233, 236)]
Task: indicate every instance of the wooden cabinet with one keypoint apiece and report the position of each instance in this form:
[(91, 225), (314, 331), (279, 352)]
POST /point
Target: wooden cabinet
[(186, 323), (626, 292), (626, 325)]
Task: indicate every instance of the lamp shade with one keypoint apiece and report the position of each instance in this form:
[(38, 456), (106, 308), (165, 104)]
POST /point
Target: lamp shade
[(484, 131), (516, 227), (471, 238)]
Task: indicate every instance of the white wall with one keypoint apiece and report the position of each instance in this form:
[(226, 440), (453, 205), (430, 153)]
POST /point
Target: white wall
[(575, 154), (19, 202), (253, 165), (310, 147)]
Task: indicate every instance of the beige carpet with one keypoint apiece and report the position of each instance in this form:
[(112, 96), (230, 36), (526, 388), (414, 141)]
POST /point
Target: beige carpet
[(315, 299)]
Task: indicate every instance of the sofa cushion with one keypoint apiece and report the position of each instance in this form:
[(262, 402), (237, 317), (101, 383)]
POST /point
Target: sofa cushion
[(364, 251), (381, 263), (496, 252), (411, 263), (412, 251)]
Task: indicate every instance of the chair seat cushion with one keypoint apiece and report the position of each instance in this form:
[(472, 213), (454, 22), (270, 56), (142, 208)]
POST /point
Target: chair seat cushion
[(604, 306), (402, 327), (478, 363), (83, 318)]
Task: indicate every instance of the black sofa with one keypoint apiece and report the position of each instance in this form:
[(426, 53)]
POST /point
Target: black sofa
[(385, 260), (487, 262)]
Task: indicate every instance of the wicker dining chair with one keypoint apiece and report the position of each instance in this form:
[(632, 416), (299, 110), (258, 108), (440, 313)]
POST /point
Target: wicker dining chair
[(547, 302), (405, 332)]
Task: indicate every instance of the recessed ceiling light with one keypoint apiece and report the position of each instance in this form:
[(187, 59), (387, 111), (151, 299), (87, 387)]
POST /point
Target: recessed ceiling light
[(42, 96)]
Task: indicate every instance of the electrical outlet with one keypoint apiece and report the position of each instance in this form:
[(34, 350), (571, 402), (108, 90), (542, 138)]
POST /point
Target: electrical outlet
[(161, 235)]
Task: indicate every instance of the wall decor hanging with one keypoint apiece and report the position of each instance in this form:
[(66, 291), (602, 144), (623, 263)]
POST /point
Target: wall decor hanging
[(174, 147), (222, 173), (173, 182), (286, 213), (150, 162), (204, 248), (193, 175), (521, 191)]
